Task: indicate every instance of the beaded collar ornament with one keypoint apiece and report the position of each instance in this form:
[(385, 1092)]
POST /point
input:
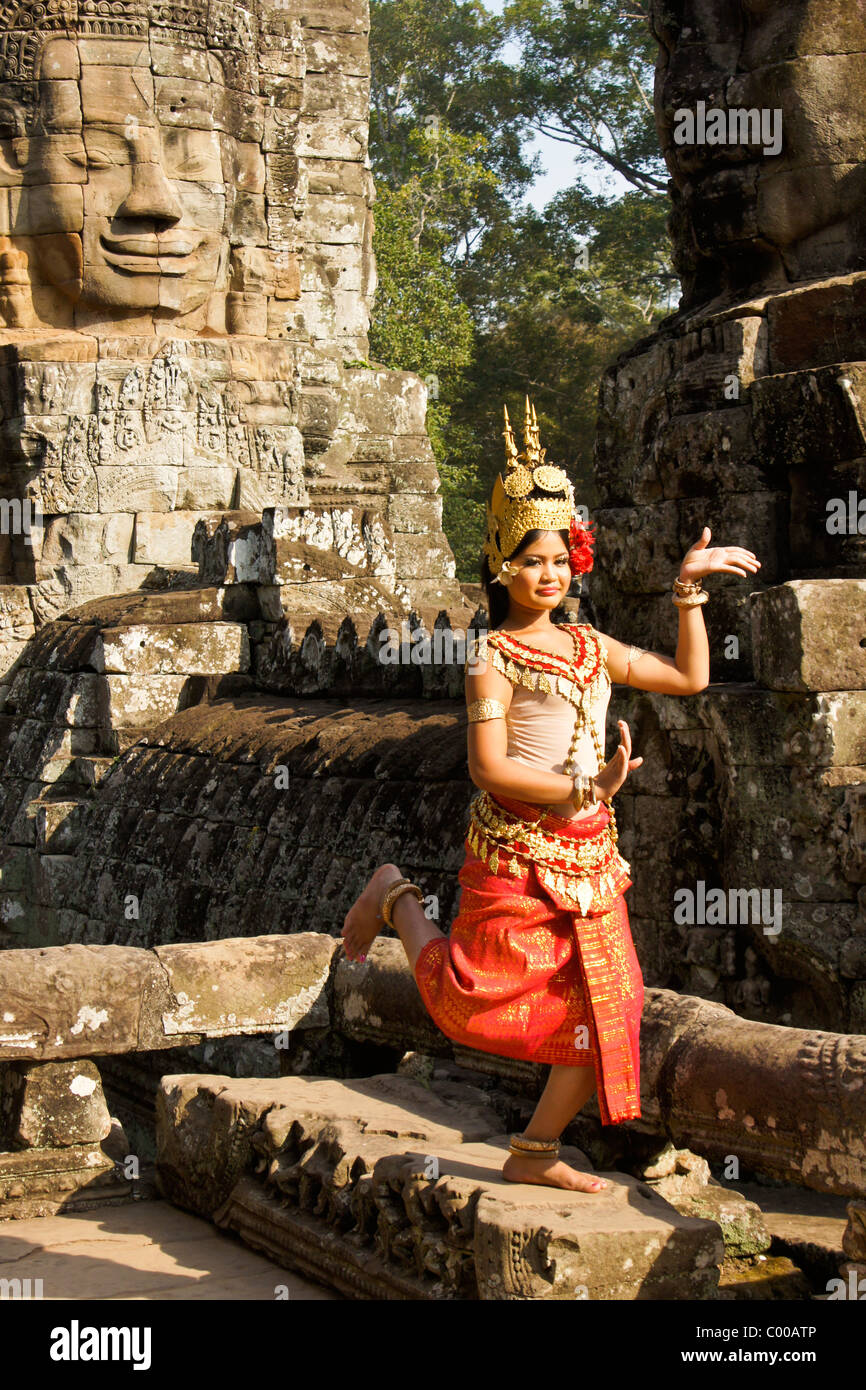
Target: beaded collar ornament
[(512, 512)]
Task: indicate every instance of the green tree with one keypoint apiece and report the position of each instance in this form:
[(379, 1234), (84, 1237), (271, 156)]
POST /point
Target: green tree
[(586, 78), (421, 325), (488, 296)]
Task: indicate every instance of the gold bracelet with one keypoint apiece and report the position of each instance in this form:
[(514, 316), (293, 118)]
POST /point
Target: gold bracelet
[(484, 709), (687, 586), (579, 791), (692, 600), (584, 793), (391, 896)]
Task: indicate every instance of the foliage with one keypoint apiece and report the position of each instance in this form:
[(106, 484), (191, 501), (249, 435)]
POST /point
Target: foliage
[(479, 292)]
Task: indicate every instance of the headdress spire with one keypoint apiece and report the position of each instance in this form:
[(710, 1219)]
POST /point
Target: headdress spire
[(531, 495)]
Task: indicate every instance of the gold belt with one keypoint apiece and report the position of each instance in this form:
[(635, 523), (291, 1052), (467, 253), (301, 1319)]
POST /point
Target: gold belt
[(493, 830)]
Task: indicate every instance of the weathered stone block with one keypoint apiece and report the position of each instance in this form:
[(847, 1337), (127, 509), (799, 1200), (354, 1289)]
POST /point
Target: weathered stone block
[(16, 614), (351, 534), (742, 1223), (409, 1194), (42, 1182), (59, 825), (188, 649), (163, 538), (54, 696), (204, 486), (88, 538), (754, 726), (414, 512), (70, 586), (132, 488), (238, 986), (227, 549), (427, 558), (48, 1105), (806, 635), (138, 702), (93, 1013)]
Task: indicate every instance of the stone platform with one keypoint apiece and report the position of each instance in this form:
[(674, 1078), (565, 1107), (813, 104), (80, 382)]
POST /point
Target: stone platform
[(149, 1252), (383, 1188)]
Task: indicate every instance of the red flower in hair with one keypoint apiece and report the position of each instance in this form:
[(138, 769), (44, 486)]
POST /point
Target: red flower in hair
[(581, 541)]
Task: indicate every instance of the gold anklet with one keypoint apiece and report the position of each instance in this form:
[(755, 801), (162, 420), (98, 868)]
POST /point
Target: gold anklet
[(533, 1148), (403, 885)]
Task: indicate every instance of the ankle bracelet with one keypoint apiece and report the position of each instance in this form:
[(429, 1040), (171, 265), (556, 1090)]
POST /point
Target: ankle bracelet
[(403, 885), (533, 1148)]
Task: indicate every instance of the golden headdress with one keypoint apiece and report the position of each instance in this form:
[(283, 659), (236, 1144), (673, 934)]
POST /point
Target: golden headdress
[(511, 512)]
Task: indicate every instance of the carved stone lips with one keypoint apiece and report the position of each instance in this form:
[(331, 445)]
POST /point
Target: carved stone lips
[(149, 254)]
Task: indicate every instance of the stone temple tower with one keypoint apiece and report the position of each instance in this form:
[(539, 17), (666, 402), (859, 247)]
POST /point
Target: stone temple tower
[(186, 276), (746, 412)]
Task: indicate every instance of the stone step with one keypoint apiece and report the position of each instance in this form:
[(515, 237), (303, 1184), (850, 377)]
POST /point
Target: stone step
[(40, 1182), (384, 1188), (155, 649), (91, 769), (809, 1227), (59, 824)]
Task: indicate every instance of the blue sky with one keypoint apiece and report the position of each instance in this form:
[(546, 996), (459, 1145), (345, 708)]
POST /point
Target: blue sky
[(557, 158)]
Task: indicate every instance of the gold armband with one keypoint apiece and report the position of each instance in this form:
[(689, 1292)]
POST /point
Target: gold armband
[(484, 709)]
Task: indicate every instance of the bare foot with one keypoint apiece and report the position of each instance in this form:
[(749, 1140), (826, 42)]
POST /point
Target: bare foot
[(363, 923), (550, 1173)]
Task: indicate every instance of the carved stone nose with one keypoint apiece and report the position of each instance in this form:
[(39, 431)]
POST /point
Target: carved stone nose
[(150, 196)]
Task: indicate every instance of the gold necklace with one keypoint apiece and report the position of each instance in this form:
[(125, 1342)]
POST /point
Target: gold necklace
[(580, 722), (540, 651)]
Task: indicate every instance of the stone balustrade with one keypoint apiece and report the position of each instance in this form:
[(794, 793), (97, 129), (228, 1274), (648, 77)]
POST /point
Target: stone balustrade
[(787, 1102)]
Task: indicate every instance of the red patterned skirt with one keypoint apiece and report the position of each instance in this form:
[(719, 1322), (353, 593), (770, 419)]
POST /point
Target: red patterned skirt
[(539, 963)]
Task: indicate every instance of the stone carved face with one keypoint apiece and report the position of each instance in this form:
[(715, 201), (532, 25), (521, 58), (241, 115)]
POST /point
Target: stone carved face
[(743, 219), (124, 202)]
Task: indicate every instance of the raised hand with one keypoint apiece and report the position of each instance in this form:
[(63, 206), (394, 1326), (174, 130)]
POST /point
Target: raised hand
[(718, 559), (608, 782)]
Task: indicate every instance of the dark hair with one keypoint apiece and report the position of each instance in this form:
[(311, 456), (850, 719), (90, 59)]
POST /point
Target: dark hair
[(497, 594)]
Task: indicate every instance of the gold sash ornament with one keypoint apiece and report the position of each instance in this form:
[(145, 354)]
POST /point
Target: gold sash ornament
[(582, 875)]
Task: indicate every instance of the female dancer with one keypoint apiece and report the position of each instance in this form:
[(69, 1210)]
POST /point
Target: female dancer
[(539, 963)]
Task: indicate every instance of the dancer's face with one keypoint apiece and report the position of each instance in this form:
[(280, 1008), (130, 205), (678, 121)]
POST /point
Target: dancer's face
[(543, 576)]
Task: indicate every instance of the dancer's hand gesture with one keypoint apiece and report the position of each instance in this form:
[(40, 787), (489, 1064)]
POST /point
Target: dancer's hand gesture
[(608, 782), (718, 559)]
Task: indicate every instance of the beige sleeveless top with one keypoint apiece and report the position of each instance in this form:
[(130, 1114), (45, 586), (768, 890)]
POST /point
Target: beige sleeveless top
[(548, 690)]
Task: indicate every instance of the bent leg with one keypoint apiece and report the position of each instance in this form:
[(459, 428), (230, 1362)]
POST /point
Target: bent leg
[(363, 923)]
